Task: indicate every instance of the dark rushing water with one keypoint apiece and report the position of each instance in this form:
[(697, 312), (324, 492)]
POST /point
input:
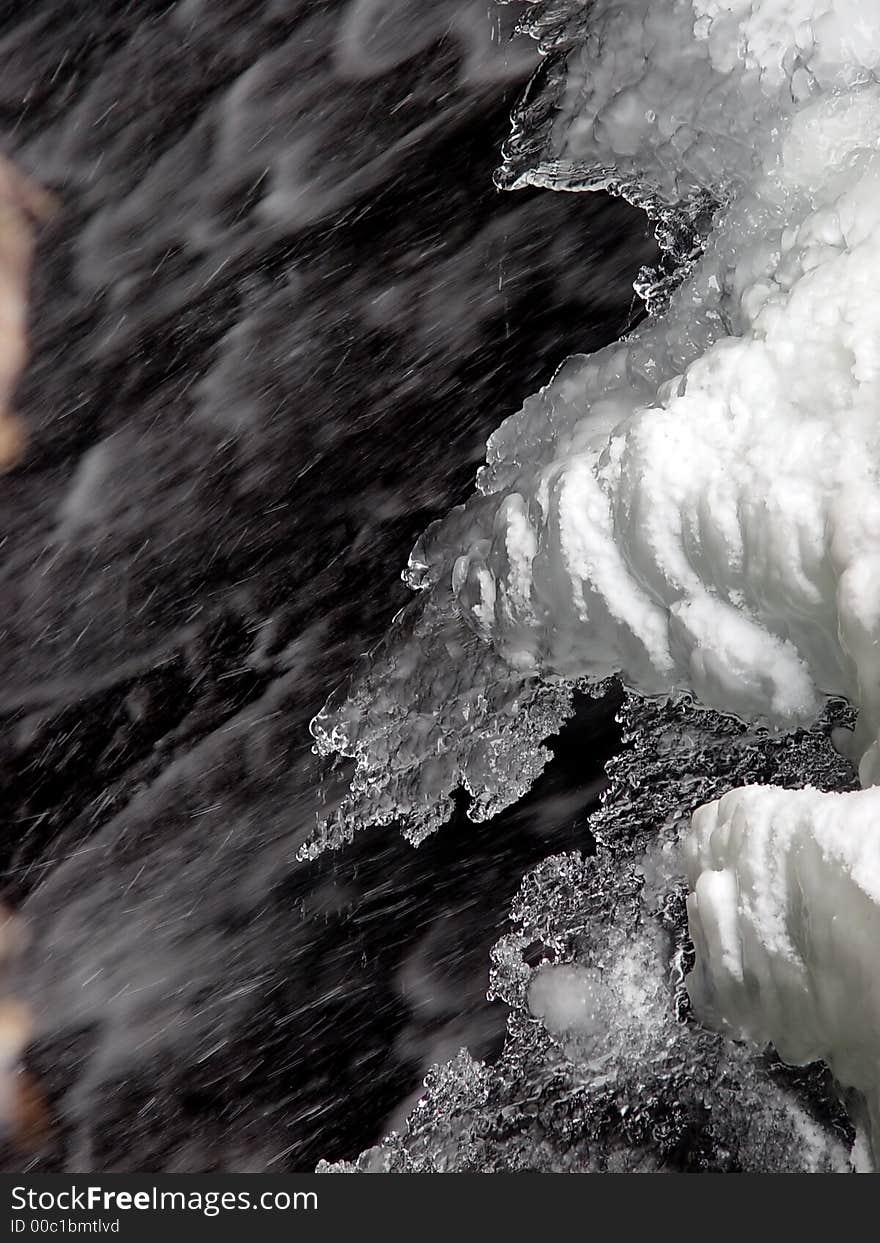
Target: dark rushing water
[(280, 312)]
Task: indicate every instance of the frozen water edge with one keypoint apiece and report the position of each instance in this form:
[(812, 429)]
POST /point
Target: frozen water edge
[(603, 1067), (416, 741)]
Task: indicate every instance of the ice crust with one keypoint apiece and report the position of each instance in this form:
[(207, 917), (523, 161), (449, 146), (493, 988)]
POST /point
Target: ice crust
[(604, 1068), (697, 507)]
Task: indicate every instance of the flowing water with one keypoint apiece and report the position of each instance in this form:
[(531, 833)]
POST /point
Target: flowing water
[(276, 316)]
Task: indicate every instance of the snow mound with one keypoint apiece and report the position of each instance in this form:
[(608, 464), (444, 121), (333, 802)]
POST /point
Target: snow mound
[(784, 911)]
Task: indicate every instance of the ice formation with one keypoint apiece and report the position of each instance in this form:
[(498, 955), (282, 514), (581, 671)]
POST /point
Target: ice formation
[(613, 1074), (785, 914), (696, 508)]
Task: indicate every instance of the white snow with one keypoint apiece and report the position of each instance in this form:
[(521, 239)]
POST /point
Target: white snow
[(699, 506), (784, 911)]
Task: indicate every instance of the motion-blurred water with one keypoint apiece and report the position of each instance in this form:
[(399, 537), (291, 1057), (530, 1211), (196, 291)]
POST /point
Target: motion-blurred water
[(280, 311)]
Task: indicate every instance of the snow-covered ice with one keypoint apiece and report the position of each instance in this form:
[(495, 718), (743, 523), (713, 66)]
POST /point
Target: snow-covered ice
[(785, 914), (697, 508)]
